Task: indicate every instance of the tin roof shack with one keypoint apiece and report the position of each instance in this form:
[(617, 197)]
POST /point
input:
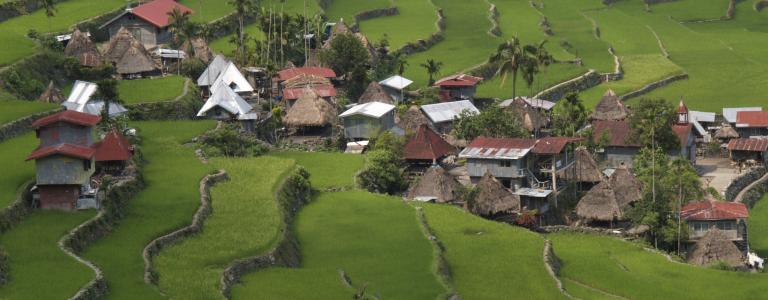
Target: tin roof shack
[(226, 105), (442, 115), (749, 149), (752, 123), (113, 153), (221, 70), (618, 149), (64, 160), (147, 22), (728, 217), (457, 87), (364, 121), (81, 100), (426, 147), (395, 87), (684, 130)]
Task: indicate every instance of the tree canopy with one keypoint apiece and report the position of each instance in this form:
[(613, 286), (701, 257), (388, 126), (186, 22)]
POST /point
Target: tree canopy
[(491, 122)]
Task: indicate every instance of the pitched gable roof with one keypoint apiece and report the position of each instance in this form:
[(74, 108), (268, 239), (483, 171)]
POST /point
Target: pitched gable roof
[(156, 12), (375, 93), (114, 147), (458, 80), (232, 77), (714, 210), (754, 145), (448, 111), (427, 145), (619, 133), (211, 73), (370, 109), (683, 132), (136, 59), (227, 99), (746, 119), (67, 116), (317, 71), (63, 149)]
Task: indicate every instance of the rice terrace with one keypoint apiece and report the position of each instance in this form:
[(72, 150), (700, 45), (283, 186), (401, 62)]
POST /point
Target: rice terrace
[(383, 149)]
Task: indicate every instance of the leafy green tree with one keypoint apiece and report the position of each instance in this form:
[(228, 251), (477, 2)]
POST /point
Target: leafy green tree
[(433, 68), (345, 55), (383, 173), (107, 91), (651, 123), (243, 9), (387, 141), (512, 57), (536, 57), (492, 122), (569, 115)]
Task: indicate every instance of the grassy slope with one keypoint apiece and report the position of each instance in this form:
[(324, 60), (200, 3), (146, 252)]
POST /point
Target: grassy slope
[(224, 46), (171, 197), (38, 268), (626, 269), (208, 10), (245, 222), (16, 171), (14, 109), (758, 227), (347, 9), (415, 21), (151, 89), (348, 231), (490, 260), (13, 32), (327, 169)]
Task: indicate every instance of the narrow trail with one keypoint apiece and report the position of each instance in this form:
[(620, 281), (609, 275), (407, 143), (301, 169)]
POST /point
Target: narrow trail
[(743, 192), (185, 91)]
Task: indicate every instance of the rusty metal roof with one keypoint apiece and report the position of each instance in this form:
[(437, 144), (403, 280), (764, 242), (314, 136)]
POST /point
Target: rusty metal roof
[(752, 119), (714, 210), (63, 149), (67, 116), (756, 145), (497, 148)]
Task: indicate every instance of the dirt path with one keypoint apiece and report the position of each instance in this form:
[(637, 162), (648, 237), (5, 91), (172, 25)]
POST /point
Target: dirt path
[(750, 187)]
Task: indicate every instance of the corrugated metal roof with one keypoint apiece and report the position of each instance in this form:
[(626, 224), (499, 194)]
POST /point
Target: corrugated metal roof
[(682, 131), (755, 145), (396, 82), (447, 111), (371, 109), (702, 116), (170, 53), (317, 71), (211, 73), (498, 148), (228, 100), (533, 102), (63, 149), (746, 119), (232, 78), (156, 12), (321, 90), (714, 210), (552, 145), (458, 80), (114, 147), (68, 116), (730, 113), (80, 95)]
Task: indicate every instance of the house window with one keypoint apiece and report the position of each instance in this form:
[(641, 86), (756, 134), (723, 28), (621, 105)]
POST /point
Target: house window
[(700, 227), (86, 165), (726, 225), (506, 163)]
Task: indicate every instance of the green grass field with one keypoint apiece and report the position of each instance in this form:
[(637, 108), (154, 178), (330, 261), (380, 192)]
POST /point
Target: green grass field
[(416, 20), (490, 260), (327, 169), (224, 46), (16, 171), (347, 9), (38, 268), (246, 222), (172, 174), (375, 239), (151, 89), (13, 31), (15, 109), (758, 226), (207, 10), (627, 270)]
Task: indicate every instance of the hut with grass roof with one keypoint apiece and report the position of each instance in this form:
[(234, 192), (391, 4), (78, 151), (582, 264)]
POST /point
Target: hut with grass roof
[(600, 204), (627, 187), (584, 169), (436, 185), (118, 45), (136, 62), (529, 116), (51, 94), (610, 108), (198, 48), (375, 93), (715, 247), (726, 132), (310, 114), (492, 199), (293, 88), (83, 49), (412, 119)]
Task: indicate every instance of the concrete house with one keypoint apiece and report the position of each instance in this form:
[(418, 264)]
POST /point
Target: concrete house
[(618, 149), (442, 115), (148, 22), (457, 87), (364, 121), (728, 217), (64, 160)]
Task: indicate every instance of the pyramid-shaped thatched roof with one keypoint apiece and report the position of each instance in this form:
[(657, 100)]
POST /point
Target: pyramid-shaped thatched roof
[(136, 59), (83, 49), (310, 110), (51, 94), (715, 247), (412, 119), (600, 204), (375, 93), (426, 144), (492, 198), (198, 49), (118, 45), (609, 108), (585, 169), (726, 132), (529, 116), (626, 186), (435, 184)]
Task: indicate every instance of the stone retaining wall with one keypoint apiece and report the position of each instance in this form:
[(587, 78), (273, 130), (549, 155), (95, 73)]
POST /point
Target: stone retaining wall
[(759, 5), (553, 264), (423, 45), (493, 16), (741, 182), (372, 14), (583, 82), (442, 268), (22, 125), (648, 88), (16, 8), (294, 192), (205, 210), (618, 71)]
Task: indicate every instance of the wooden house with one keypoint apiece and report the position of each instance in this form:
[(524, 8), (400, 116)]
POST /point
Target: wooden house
[(64, 160), (584, 171), (619, 149), (426, 147), (457, 87), (147, 22), (113, 152), (395, 87), (748, 149), (752, 123), (130, 58), (368, 120), (728, 217), (442, 115)]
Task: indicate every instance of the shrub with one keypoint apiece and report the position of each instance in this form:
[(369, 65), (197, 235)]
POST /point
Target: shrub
[(228, 142), (383, 173)]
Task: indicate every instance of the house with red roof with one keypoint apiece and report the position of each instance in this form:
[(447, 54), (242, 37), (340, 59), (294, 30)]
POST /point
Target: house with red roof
[(113, 152), (728, 217), (426, 147), (457, 87), (65, 158), (148, 22), (615, 137), (752, 123), (683, 129), (748, 149)]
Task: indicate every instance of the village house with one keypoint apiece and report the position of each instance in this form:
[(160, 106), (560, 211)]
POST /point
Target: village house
[(493, 200), (426, 147), (148, 22), (395, 87), (609, 201), (730, 113), (457, 87), (368, 120), (130, 58), (585, 171), (753, 150), (375, 92), (83, 49), (113, 153), (81, 100), (223, 71), (752, 123), (225, 104), (412, 119), (442, 115), (64, 160), (436, 185), (704, 125), (728, 217), (294, 87), (530, 115), (310, 115), (684, 130), (611, 130)]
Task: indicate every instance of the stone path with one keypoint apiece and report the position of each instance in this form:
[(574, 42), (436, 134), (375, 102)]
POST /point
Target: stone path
[(749, 187)]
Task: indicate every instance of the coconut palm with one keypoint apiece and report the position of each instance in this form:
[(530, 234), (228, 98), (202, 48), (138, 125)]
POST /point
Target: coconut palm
[(178, 24), (509, 58), (536, 56), (433, 67), (400, 63)]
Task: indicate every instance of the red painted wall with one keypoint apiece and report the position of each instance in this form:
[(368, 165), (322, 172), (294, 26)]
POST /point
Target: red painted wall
[(62, 197)]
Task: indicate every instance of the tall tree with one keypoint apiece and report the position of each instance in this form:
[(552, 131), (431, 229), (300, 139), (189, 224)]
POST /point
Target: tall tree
[(107, 91), (492, 122), (50, 10), (509, 57), (569, 115), (243, 9), (433, 67), (651, 123), (177, 21), (536, 57), (346, 54)]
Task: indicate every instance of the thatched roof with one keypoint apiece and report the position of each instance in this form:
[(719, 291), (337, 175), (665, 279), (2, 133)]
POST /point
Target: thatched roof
[(726, 132), (715, 247), (81, 47), (51, 94), (610, 107), (492, 198), (435, 184), (375, 93), (585, 168), (529, 116), (304, 80), (118, 45), (600, 204), (412, 119), (198, 49), (136, 59), (626, 186), (310, 110)]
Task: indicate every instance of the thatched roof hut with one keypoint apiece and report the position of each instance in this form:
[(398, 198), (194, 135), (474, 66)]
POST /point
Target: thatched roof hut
[(610, 108), (83, 49), (436, 184), (715, 247), (585, 169), (529, 116), (118, 45), (412, 119), (726, 132), (51, 94), (492, 198), (627, 187), (310, 110), (375, 93), (198, 49), (136, 59), (600, 204)]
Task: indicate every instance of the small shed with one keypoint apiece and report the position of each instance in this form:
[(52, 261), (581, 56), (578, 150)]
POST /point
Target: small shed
[(715, 247), (294, 87), (492, 199), (395, 87), (610, 108), (529, 115), (442, 115), (148, 22), (436, 185), (375, 93), (457, 87), (83, 49), (600, 204), (426, 147), (113, 152), (748, 149), (51, 94), (310, 113), (364, 121)]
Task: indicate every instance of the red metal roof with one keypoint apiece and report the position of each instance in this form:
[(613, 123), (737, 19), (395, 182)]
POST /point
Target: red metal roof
[(714, 210), (427, 145), (619, 133), (682, 131), (756, 145), (63, 149), (458, 80), (752, 119), (552, 145), (156, 12), (317, 71), (67, 116), (322, 91), (114, 147)]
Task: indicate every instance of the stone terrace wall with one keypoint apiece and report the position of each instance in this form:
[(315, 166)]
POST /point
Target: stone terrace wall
[(16, 8), (583, 82), (424, 45), (22, 125), (372, 14), (648, 88), (743, 181)]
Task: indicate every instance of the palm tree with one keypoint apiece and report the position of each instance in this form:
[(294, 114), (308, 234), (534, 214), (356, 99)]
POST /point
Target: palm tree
[(178, 22), (243, 8), (509, 57), (400, 63), (536, 56), (50, 10), (433, 67)]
